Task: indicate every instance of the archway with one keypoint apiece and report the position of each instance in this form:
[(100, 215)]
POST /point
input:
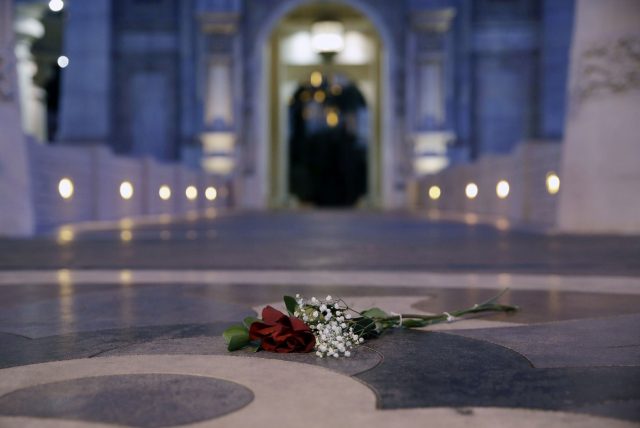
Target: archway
[(267, 185)]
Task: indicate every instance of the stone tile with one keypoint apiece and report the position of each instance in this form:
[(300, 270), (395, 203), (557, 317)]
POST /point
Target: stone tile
[(91, 344), (440, 369), (611, 341), (138, 400), (329, 240), (627, 409), (363, 359), (116, 308), (349, 401)]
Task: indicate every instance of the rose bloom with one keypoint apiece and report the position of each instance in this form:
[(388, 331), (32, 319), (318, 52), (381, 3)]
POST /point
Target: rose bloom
[(278, 332)]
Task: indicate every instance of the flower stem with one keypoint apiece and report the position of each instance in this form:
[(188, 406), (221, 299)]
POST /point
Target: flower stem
[(418, 320)]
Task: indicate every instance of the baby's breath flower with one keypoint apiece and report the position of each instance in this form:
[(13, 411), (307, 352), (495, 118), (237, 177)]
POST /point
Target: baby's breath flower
[(329, 322)]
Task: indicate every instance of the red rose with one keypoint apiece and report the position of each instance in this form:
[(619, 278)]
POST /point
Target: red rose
[(281, 333)]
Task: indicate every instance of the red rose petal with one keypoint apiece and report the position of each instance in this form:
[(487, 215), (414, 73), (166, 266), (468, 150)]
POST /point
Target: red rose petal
[(281, 333), (271, 315), (298, 325)]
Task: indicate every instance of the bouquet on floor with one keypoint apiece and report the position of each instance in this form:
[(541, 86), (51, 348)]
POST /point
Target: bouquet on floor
[(330, 327)]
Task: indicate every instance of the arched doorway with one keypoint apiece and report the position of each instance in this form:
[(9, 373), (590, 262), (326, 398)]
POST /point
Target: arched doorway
[(328, 139), (268, 94)]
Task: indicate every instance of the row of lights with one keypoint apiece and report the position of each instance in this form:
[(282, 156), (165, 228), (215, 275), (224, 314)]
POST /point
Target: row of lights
[(66, 189), (502, 188), (57, 6)]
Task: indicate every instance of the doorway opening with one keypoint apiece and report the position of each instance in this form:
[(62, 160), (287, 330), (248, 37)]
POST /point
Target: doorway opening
[(325, 110), (328, 142)]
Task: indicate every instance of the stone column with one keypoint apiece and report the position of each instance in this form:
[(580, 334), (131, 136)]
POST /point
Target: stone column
[(86, 83), (600, 174), (16, 209), (429, 55), (218, 137), (32, 98)]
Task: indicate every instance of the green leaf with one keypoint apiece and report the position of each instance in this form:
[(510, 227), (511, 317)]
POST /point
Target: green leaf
[(365, 327), (235, 330), (374, 313), (291, 304), (238, 342), (250, 320)]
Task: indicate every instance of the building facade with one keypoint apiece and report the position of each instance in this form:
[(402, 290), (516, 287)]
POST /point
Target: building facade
[(208, 82)]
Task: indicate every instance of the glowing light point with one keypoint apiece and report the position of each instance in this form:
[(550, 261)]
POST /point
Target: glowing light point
[(126, 190), (502, 189), (65, 188), (126, 235), (63, 61), (315, 79), (56, 5), (332, 119), (125, 276), (211, 193), (191, 193), (435, 192), (553, 183), (327, 36), (64, 276), (65, 235), (164, 192), (471, 190)]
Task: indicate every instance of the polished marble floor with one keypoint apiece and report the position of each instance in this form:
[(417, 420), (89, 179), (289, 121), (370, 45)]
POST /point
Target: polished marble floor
[(103, 328), (321, 240)]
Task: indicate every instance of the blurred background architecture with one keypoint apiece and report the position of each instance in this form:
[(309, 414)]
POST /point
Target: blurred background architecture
[(518, 112)]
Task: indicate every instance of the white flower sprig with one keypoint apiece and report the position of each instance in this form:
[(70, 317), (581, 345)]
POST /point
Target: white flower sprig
[(330, 322)]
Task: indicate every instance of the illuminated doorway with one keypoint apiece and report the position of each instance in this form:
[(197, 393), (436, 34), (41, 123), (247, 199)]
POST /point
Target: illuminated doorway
[(325, 111)]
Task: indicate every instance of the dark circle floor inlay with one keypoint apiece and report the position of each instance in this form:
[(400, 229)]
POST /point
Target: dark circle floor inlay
[(141, 400), (432, 369)]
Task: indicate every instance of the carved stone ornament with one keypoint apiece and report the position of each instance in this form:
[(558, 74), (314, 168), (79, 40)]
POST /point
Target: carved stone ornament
[(7, 75), (606, 69), (7, 56)]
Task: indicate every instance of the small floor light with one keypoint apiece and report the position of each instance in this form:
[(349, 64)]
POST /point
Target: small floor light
[(65, 188), (553, 183), (435, 192), (164, 192), (191, 193), (211, 193), (502, 189), (471, 190), (126, 190)]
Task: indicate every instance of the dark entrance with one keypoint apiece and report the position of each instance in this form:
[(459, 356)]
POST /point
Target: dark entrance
[(327, 143)]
